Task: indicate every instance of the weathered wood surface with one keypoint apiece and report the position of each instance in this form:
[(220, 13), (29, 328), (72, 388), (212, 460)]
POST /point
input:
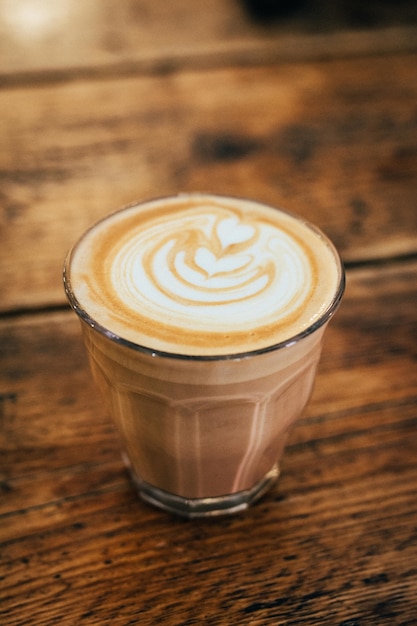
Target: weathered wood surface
[(333, 543), (39, 37), (103, 102), (334, 141)]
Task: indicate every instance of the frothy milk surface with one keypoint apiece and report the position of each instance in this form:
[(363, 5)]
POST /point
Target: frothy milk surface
[(204, 275)]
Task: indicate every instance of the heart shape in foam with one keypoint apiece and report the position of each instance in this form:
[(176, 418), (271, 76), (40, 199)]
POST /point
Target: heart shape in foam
[(230, 231), (207, 261)]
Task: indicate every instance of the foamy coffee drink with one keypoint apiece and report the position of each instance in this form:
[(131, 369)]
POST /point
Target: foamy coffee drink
[(203, 318)]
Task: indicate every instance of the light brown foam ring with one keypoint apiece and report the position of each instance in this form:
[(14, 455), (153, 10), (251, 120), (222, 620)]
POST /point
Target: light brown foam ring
[(133, 325)]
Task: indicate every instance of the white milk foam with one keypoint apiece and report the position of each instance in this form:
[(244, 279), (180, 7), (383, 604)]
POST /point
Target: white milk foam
[(204, 275)]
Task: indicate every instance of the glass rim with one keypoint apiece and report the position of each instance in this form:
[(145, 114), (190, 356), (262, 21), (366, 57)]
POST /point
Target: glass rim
[(153, 352)]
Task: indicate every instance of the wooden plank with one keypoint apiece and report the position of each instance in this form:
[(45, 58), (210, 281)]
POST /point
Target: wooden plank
[(334, 141), (76, 544), (42, 36)]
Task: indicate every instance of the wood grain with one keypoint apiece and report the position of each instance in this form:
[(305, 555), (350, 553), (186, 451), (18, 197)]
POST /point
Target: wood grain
[(105, 102), (44, 38), (333, 543), (334, 141)]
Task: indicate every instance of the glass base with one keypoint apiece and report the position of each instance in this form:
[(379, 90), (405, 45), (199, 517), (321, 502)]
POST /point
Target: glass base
[(205, 507)]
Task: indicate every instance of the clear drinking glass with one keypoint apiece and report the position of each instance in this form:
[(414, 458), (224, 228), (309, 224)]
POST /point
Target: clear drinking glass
[(202, 435)]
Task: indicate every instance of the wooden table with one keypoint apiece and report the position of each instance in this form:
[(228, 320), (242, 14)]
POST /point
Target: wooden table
[(103, 104)]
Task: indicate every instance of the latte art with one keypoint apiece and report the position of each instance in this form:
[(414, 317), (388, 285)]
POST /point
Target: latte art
[(204, 275), (208, 269)]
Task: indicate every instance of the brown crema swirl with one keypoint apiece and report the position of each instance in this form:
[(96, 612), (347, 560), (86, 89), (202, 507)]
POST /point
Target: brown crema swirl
[(203, 275)]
